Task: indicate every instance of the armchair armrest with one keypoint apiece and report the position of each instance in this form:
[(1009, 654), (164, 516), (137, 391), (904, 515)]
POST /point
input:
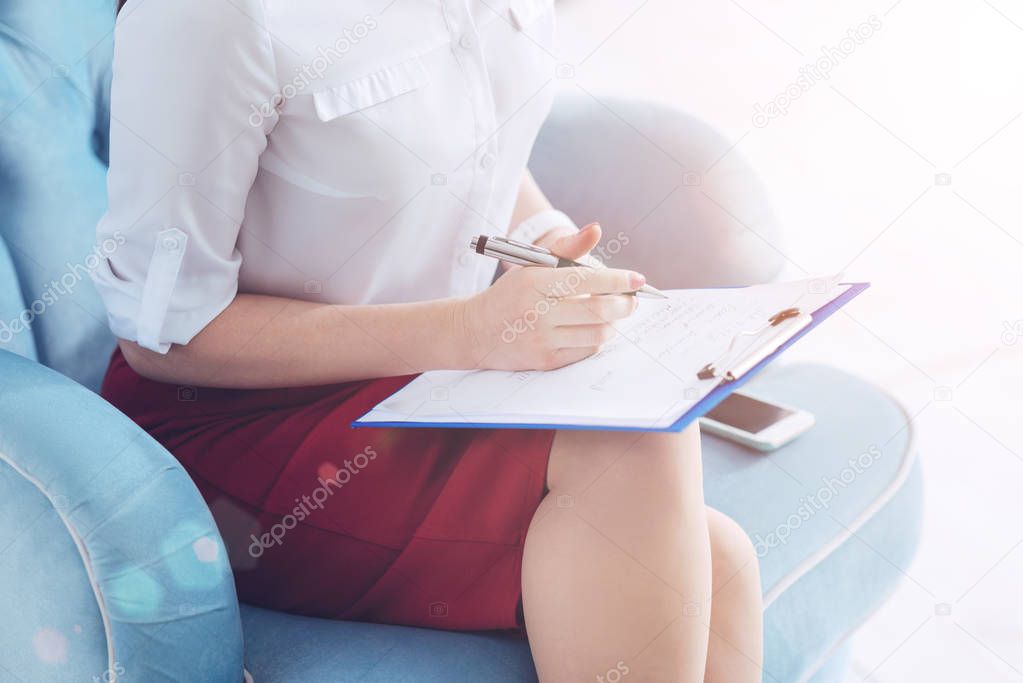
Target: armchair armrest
[(109, 558), (675, 198)]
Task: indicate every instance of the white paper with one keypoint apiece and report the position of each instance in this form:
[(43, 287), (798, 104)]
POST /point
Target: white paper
[(645, 378)]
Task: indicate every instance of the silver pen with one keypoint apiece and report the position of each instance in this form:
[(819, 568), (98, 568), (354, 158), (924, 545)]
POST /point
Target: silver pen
[(522, 254)]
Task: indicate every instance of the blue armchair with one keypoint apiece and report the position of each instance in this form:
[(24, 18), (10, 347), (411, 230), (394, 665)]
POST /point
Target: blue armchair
[(111, 564)]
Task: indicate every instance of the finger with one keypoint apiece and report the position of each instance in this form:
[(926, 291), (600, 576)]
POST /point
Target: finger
[(562, 282), (576, 336), (593, 310), (579, 244)]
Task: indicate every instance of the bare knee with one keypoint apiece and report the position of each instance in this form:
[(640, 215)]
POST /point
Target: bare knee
[(632, 464), (733, 555), (639, 498)]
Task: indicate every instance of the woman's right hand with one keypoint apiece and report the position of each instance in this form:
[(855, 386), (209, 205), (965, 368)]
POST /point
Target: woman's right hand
[(535, 318)]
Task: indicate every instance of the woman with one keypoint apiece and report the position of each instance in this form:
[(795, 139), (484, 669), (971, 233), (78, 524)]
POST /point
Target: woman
[(293, 187)]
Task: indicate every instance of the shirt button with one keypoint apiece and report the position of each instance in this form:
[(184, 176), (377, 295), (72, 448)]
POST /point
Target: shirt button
[(170, 244), (465, 259), (467, 42), (487, 160)]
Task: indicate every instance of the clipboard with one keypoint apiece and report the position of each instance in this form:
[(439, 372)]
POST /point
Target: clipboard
[(729, 384), (733, 370)]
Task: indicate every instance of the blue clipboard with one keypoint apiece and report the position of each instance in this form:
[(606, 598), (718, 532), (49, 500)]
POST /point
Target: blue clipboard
[(701, 408)]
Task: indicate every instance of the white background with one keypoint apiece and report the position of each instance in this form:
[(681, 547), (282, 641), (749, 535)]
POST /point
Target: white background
[(851, 171)]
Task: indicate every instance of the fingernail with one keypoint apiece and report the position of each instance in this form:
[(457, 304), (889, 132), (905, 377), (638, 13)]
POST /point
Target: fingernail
[(636, 280), (592, 225)]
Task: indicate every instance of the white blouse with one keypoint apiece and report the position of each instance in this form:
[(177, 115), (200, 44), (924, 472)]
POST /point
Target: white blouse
[(341, 152)]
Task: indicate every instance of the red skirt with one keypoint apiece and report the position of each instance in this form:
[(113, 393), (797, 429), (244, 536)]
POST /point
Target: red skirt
[(422, 527)]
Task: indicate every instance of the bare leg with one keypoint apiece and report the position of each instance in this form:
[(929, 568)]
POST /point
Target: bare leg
[(736, 647), (617, 569)]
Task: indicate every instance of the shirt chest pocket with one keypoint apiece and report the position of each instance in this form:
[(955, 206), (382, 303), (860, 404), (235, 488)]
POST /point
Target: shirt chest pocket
[(391, 82), (370, 135), (368, 91), (383, 126)]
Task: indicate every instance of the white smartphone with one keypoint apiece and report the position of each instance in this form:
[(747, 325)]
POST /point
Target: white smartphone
[(754, 422)]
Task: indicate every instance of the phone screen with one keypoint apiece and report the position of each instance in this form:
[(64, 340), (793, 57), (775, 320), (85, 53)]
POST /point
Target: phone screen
[(747, 414)]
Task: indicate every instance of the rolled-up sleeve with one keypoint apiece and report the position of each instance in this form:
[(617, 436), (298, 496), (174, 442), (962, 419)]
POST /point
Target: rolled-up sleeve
[(192, 103)]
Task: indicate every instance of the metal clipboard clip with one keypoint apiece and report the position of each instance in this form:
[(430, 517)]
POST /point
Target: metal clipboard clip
[(780, 327)]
